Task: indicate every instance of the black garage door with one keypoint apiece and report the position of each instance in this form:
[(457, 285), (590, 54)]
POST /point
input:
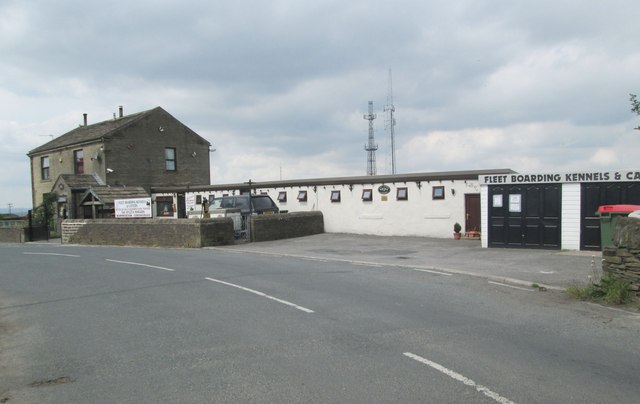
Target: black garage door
[(597, 194), (525, 216)]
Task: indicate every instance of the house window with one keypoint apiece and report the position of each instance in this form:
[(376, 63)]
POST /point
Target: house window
[(164, 206), (335, 196), (302, 196), (367, 195), (170, 158), (78, 160), (44, 164), (282, 196), (438, 192), (402, 194)]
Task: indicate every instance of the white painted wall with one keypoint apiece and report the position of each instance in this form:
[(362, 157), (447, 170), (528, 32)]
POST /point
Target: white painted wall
[(419, 215), (571, 217), (484, 216)]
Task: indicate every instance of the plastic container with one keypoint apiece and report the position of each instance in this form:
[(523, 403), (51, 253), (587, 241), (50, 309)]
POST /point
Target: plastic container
[(609, 215)]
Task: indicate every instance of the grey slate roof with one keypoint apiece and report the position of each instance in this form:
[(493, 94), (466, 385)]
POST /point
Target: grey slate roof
[(106, 195), (89, 133), (80, 181), (369, 179)]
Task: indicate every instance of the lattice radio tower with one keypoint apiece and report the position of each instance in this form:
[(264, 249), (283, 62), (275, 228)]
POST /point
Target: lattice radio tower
[(371, 147), (389, 124)]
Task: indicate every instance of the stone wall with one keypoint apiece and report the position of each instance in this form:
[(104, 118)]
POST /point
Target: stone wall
[(14, 231), (184, 233), (623, 259), (13, 234), (286, 225)]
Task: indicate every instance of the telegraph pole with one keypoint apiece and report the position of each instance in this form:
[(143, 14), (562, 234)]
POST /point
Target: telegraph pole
[(390, 123)]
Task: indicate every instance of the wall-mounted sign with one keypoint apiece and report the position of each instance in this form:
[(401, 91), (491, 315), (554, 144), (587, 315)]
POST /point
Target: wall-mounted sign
[(384, 189), (139, 207), (594, 176)]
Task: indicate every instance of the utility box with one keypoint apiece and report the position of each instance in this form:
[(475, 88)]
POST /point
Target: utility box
[(609, 215)]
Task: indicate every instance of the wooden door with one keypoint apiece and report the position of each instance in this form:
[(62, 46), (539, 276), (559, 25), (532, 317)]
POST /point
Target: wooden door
[(472, 212)]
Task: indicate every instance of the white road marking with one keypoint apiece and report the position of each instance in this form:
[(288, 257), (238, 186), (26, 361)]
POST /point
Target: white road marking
[(61, 255), (432, 271), (457, 376), (510, 286), (314, 259), (366, 264), (262, 294), (142, 265), (547, 272)]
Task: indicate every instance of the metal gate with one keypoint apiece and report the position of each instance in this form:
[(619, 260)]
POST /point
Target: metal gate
[(39, 221), (525, 216), (597, 194)]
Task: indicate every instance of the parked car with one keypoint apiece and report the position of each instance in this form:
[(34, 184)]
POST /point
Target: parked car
[(260, 204)]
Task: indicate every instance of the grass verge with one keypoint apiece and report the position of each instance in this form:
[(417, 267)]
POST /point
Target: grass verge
[(610, 290)]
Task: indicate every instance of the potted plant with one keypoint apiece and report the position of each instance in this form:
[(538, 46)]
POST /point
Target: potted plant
[(456, 231)]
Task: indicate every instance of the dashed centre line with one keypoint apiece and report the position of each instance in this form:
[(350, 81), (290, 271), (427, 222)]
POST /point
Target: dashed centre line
[(262, 295), (58, 254), (142, 265), (457, 376)]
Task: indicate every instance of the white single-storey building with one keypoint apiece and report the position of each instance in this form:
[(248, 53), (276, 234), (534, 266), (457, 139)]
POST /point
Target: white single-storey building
[(507, 209), (421, 204)]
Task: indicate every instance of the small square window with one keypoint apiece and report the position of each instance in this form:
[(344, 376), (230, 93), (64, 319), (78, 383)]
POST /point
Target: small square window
[(402, 194), (282, 196), (438, 192), (164, 206), (335, 196), (367, 195), (302, 196)]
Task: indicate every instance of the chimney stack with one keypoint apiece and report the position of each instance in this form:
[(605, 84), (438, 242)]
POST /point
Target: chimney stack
[(121, 111), (85, 118)]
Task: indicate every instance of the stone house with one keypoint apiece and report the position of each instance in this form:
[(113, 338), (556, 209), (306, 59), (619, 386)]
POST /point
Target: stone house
[(142, 150)]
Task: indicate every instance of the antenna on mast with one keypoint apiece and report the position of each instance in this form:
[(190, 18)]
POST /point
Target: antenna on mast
[(371, 147), (389, 124)]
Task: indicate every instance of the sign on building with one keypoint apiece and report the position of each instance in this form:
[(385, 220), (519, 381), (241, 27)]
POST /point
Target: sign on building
[(138, 207)]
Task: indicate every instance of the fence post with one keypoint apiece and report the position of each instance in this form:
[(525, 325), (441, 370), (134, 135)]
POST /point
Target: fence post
[(30, 217)]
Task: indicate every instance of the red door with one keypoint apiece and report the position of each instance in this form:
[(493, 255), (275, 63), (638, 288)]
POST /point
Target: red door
[(472, 211)]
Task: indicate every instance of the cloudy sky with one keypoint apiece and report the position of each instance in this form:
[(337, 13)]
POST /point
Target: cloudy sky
[(280, 87)]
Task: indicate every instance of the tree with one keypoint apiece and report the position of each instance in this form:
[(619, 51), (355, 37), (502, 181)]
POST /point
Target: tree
[(635, 105)]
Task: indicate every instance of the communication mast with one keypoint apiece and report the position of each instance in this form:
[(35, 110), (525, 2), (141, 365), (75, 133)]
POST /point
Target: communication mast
[(389, 124), (371, 147)]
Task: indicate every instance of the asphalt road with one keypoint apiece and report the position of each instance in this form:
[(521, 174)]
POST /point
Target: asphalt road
[(106, 324)]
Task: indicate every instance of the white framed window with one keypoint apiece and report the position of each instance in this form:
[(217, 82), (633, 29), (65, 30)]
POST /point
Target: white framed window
[(45, 168), (170, 159)]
